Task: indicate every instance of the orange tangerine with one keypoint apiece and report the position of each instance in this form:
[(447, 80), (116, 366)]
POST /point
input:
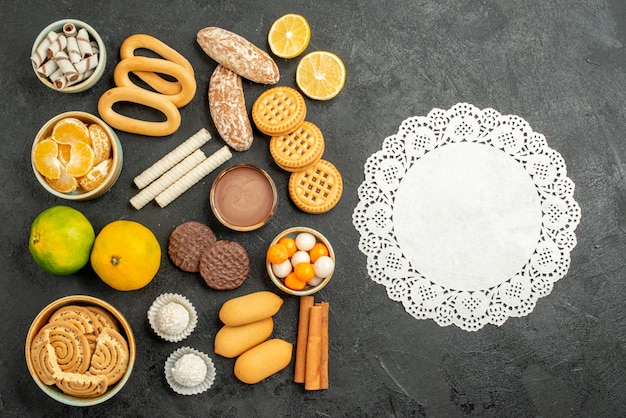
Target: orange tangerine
[(292, 282), (95, 177), (290, 244), (304, 271), (277, 253), (126, 255), (318, 250), (45, 159), (81, 160), (64, 184), (70, 131), (100, 143)]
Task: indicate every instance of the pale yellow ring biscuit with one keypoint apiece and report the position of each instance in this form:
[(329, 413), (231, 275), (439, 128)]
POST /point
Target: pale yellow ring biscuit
[(137, 126), (161, 66), (154, 80)]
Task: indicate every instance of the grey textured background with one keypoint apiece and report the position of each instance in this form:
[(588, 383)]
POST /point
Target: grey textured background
[(560, 65)]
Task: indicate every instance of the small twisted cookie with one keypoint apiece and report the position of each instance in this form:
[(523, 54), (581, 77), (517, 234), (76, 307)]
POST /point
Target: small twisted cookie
[(70, 346), (81, 385), (44, 358), (111, 356)]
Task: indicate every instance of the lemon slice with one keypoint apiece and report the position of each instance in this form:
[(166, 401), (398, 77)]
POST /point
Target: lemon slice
[(321, 75), (289, 36)]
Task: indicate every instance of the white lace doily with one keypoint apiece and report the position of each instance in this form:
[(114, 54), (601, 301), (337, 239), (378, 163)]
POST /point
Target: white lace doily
[(466, 216)]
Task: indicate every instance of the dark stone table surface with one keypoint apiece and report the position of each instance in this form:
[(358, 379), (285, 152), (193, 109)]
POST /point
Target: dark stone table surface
[(560, 65)]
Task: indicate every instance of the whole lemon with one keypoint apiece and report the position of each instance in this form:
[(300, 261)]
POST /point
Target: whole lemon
[(60, 240), (126, 255)]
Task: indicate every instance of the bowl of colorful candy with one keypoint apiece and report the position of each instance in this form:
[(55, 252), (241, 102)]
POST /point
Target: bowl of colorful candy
[(300, 261)]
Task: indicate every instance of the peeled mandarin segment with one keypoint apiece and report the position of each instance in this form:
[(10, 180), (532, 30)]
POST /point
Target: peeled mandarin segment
[(321, 75), (96, 175), (81, 160), (64, 184), (289, 36), (45, 159), (100, 142), (64, 153), (70, 131)]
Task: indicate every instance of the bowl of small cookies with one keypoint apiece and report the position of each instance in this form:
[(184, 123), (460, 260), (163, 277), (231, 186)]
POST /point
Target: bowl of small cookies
[(68, 56), (80, 350), (300, 261), (76, 156)]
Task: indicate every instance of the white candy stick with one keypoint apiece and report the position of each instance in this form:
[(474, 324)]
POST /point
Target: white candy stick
[(47, 68), (81, 77), (86, 64), (39, 56), (84, 42), (69, 30), (142, 198), (94, 47), (58, 79), (172, 158), (195, 175), (59, 44), (64, 63), (72, 50)]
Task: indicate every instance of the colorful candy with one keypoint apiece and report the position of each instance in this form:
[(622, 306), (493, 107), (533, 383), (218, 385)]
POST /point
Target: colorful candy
[(300, 261)]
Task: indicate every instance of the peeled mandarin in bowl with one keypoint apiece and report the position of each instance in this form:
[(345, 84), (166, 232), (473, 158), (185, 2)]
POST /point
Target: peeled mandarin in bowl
[(76, 156)]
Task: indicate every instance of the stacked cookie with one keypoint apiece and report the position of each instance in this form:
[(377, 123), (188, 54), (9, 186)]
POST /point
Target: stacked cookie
[(194, 248), (297, 146), (80, 350)]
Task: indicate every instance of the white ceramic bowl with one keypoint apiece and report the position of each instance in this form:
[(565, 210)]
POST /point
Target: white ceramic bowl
[(116, 150), (308, 290), (93, 35), (42, 318)]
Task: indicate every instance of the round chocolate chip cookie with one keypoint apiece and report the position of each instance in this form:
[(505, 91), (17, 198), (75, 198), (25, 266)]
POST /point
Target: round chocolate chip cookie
[(224, 265)]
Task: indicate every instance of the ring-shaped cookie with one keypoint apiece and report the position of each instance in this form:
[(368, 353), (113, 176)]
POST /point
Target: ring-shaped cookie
[(157, 65), (154, 80), (142, 97)]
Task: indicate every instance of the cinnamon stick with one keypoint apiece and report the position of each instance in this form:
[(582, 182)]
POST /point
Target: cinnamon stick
[(324, 347), (301, 342), (313, 349)]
